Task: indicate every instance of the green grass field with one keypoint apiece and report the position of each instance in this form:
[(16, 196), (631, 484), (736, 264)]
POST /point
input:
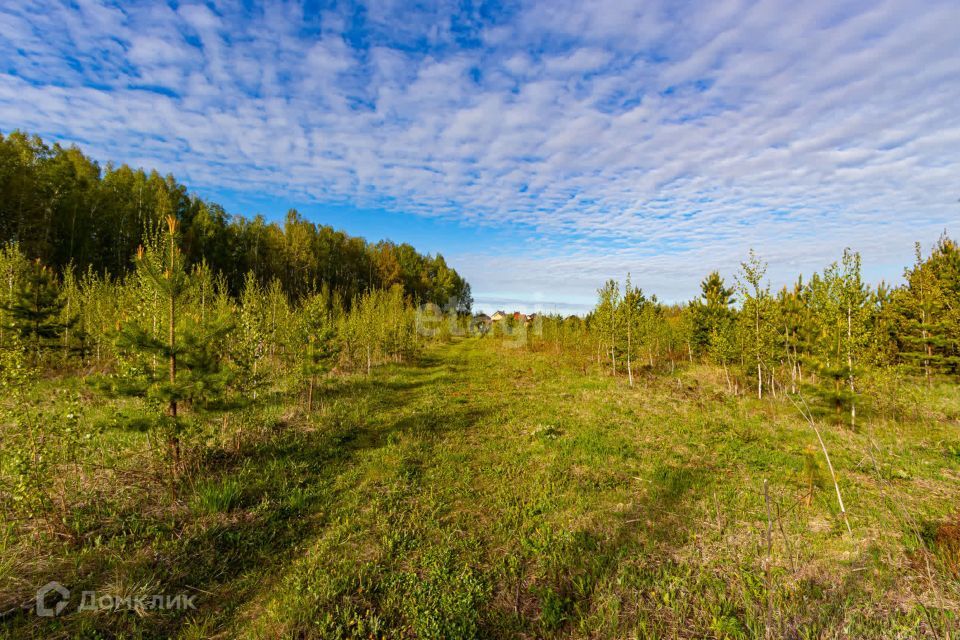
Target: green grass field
[(487, 492)]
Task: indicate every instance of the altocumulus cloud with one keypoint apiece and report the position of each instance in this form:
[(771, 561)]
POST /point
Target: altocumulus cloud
[(662, 138)]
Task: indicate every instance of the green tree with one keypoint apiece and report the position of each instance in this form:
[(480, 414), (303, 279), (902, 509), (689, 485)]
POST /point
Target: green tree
[(34, 311), (182, 364), (318, 332), (711, 311), (795, 327), (59, 205), (883, 330), (839, 302), (249, 346), (928, 312), (607, 320), (756, 314), (13, 269), (723, 349), (630, 311)]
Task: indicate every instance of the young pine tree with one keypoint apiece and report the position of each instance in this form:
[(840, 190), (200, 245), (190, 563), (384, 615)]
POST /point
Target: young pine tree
[(279, 327), (34, 311), (181, 364), (74, 335), (839, 301), (794, 327), (710, 311), (855, 310), (928, 313), (249, 344), (15, 368), (13, 268), (318, 331)]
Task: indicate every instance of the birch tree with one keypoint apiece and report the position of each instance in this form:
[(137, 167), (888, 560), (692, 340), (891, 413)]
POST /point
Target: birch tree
[(839, 299), (607, 320), (755, 315), (630, 310)]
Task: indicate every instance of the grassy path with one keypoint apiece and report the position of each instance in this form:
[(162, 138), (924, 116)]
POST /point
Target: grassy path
[(495, 493), (488, 492)]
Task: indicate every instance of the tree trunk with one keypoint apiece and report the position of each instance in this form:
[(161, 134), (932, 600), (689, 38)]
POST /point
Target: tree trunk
[(759, 380), (853, 401), (757, 335), (173, 356), (926, 345), (613, 354), (172, 340), (36, 323)]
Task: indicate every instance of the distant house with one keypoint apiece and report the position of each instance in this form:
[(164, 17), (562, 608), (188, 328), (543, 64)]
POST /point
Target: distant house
[(516, 316), (482, 318)]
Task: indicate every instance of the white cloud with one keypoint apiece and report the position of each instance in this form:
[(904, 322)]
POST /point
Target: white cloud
[(660, 138)]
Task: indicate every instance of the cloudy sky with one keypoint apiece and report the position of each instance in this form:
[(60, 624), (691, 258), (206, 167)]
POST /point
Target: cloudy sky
[(542, 147)]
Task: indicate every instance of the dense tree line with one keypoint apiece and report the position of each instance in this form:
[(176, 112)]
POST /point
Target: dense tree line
[(156, 294), (827, 337), (62, 208), (165, 307), (174, 335)]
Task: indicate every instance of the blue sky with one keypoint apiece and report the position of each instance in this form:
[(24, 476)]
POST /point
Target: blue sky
[(542, 147)]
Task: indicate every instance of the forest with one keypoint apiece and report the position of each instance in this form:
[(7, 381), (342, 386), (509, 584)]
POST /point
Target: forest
[(60, 207), (313, 436)]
